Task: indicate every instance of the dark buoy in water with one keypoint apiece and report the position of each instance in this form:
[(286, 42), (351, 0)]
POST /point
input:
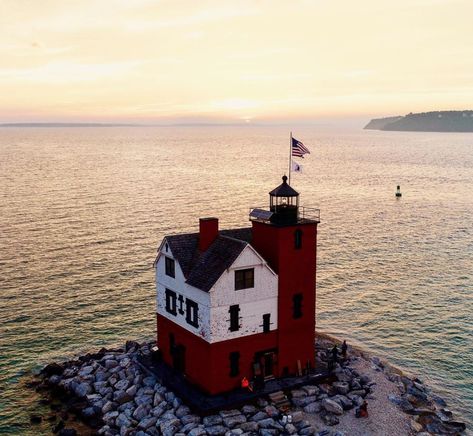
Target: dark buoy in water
[(398, 191)]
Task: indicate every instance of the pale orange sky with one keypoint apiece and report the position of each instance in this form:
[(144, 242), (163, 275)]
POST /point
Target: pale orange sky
[(165, 61)]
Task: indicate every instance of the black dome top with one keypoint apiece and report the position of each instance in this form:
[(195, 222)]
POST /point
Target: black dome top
[(284, 190)]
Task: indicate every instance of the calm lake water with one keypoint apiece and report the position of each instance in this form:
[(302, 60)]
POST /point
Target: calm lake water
[(82, 211)]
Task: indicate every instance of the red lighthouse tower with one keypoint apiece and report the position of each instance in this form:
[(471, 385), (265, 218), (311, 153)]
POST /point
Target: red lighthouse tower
[(288, 240), (240, 303)]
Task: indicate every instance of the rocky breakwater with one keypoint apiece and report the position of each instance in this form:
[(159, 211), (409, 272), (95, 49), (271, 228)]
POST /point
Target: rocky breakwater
[(113, 395)]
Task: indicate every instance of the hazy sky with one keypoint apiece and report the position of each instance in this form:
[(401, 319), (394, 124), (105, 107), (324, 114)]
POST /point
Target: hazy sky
[(160, 60)]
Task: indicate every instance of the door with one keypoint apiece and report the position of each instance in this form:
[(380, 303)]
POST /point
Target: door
[(267, 364), (179, 358)]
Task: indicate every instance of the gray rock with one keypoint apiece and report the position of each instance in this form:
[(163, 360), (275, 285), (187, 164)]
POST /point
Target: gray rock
[(131, 391), (298, 393), (190, 418), (345, 402), (271, 411), (170, 396), (148, 421), (297, 416), (342, 387), (55, 379), (101, 376), (182, 411), (356, 399), (86, 370), (122, 385), (188, 427), (258, 416), (268, 432), (144, 399), (121, 397), (157, 411), (108, 406), (251, 426), (249, 409), (308, 431), (140, 412), (266, 423), (315, 407), (197, 431), (233, 421), (109, 364), (332, 406), (216, 430), (212, 420), (290, 428), (311, 390), (125, 362), (122, 421), (228, 413), (109, 417), (149, 381), (82, 389)]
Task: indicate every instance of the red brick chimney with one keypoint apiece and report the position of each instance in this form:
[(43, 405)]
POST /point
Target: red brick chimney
[(208, 231)]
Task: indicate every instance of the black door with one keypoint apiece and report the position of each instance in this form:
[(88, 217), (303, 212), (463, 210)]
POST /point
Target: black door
[(179, 358)]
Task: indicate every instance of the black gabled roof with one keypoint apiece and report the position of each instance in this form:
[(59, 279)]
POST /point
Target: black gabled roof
[(284, 190), (203, 269)]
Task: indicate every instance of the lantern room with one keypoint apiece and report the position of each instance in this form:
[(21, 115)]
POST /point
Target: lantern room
[(284, 203)]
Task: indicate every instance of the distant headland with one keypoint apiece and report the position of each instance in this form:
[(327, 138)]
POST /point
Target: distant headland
[(440, 121)]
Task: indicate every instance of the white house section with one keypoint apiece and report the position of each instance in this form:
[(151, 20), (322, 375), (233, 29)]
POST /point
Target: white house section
[(252, 302), (177, 309), (207, 314)]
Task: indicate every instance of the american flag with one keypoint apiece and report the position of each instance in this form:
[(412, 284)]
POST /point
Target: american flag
[(298, 148)]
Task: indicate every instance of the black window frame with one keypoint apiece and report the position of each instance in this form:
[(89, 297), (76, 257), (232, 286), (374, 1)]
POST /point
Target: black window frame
[(170, 267), (234, 311), (297, 305), (298, 239), (171, 302), (244, 279), (234, 358), (192, 313), (266, 322)]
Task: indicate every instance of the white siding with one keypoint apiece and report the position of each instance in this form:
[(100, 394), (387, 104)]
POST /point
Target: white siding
[(253, 302), (180, 287), (214, 317)]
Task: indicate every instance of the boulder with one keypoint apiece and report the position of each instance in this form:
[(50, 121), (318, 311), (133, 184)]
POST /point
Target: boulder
[(140, 412), (271, 411), (82, 389), (197, 431), (234, 421), (308, 431), (216, 430), (122, 385), (53, 369), (228, 413), (311, 390), (296, 416), (342, 387), (298, 393), (109, 364), (251, 426), (212, 420), (332, 406), (258, 416), (313, 407)]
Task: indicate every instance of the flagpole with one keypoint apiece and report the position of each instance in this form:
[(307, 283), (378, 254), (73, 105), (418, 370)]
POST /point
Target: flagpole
[(290, 156)]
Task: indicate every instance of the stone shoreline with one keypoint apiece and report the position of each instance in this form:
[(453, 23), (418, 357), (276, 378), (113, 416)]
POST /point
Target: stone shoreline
[(112, 395)]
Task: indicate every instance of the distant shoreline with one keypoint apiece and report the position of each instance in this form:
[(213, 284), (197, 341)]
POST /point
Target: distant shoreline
[(440, 121)]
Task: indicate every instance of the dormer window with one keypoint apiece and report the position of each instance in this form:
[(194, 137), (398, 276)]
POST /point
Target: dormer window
[(244, 279), (170, 267)]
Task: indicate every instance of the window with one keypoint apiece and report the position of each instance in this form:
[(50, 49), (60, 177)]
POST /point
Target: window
[(192, 313), (266, 322), (298, 239), (234, 363), (297, 306), (234, 318), (170, 269), (171, 302), (244, 278)]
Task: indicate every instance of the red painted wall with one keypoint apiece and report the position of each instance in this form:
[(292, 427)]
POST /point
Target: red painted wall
[(208, 365), (296, 271)]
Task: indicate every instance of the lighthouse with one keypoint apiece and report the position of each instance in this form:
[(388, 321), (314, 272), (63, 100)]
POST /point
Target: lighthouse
[(239, 304)]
